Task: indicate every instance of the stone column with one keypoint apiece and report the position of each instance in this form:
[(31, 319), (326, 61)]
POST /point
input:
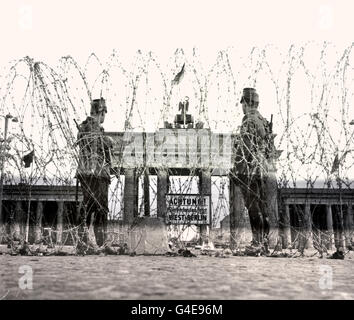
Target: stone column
[(60, 216), (205, 190), (271, 193), (329, 219), (130, 196), (237, 208), (339, 239), (17, 224), (38, 223), (162, 190), (285, 222), (308, 241), (3, 231), (351, 222), (146, 193), (349, 226)]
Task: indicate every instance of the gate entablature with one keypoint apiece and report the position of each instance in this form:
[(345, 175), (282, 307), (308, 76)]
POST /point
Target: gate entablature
[(181, 151)]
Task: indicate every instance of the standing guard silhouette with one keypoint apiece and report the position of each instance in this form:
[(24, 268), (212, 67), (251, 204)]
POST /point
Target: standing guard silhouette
[(94, 170), (251, 166)]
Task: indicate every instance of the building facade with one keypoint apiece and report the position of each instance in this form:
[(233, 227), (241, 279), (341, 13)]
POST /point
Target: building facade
[(313, 218)]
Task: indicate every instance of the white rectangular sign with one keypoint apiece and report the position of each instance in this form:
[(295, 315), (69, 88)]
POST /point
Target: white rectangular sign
[(188, 209)]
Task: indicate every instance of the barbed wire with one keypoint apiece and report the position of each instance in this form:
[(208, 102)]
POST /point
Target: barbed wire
[(311, 101)]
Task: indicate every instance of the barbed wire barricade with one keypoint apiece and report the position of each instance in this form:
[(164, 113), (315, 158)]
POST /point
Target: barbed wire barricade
[(311, 101)]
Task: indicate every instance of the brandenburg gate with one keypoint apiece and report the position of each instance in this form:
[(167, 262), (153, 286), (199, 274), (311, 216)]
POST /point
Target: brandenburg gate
[(183, 148)]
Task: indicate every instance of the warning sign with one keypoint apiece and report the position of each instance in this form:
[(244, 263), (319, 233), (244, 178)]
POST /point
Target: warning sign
[(188, 209)]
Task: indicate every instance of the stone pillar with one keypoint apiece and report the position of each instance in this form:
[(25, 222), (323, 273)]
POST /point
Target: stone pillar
[(339, 239), (349, 226), (162, 190), (286, 228), (307, 230), (130, 196), (351, 222), (3, 231), (271, 193), (146, 193), (60, 216), (38, 223), (17, 222), (329, 219), (237, 208), (205, 190)]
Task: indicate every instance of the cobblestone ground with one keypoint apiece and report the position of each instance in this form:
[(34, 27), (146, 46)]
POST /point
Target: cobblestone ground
[(159, 277)]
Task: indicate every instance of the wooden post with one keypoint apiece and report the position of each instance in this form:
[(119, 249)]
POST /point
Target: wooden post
[(329, 219), (38, 224), (205, 190), (60, 213), (237, 208), (162, 190), (130, 196)]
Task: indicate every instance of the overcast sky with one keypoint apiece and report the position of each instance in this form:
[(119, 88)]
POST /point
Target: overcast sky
[(48, 30)]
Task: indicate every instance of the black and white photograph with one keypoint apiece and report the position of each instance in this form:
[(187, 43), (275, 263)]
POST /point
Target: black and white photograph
[(155, 151)]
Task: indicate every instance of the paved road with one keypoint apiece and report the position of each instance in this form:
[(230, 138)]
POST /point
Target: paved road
[(158, 277)]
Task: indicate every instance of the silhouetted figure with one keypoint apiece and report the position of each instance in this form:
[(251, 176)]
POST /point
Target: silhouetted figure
[(94, 169), (251, 167)]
